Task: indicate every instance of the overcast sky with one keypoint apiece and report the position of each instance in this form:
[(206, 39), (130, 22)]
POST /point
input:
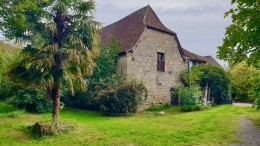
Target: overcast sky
[(199, 24)]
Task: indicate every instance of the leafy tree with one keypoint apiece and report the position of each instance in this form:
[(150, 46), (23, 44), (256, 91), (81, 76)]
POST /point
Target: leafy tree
[(8, 56), (62, 42), (243, 81), (193, 76), (216, 78), (256, 89), (241, 41), (106, 64)]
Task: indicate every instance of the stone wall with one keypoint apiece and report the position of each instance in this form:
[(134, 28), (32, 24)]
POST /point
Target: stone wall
[(122, 65), (142, 64)]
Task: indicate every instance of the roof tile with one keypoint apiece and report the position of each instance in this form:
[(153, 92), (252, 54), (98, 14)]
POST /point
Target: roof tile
[(128, 30)]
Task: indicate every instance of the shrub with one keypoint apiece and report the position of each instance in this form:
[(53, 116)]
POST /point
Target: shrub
[(31, 100), (7, 110), (189, 98), (120, 96), (159, 107), (81, 99), (256, 104), (216, 78), (5, 107)]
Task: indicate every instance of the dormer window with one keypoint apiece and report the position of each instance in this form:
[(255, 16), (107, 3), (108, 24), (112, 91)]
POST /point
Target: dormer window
[(160, 62)]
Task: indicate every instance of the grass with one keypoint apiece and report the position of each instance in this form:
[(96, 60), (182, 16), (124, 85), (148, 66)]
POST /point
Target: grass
[(255, 118), (215, 126), (9, 111), (159, 107)]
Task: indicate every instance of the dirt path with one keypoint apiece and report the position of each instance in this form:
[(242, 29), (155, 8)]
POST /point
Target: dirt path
[(249, 133), (242, 104)]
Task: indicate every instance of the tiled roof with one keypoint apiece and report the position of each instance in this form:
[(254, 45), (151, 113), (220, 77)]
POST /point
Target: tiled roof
[(128, 30), (193, 56), (201, 59), (211, 60), (151, 20)]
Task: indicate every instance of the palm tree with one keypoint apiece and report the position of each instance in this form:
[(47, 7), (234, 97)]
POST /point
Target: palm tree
[(62, 41)]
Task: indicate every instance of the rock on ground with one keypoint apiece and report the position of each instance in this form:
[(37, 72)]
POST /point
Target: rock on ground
[(42, 128), (47, 128)]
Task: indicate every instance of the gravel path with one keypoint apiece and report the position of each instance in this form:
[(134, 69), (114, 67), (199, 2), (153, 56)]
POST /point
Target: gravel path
[(249, 133), (242, 104)]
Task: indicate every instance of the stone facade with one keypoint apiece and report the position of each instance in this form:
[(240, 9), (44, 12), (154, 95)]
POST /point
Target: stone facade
[(141, 36), (122, 65), (141, 62)]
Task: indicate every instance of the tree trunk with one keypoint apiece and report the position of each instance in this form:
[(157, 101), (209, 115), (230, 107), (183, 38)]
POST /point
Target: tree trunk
[(55, 103), (206, 94), (209, 95)]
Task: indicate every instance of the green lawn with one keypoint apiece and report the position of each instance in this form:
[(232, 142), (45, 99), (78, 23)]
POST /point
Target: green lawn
[(216, 126)]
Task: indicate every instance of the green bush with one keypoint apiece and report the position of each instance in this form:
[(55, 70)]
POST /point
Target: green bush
[(81, 99), (103, 73), (7, 110), (257, 103), (159, 107), (5, 107), (120, 96), (216, 78), (189, 98), (31, 100)]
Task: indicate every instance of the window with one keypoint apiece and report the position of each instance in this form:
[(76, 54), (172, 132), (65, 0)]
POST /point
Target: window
[(160, 62), (190, 63)]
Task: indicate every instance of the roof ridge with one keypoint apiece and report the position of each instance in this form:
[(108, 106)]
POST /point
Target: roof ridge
[(153, 21), (129, 29), (118, 21), (193, 56), (146, 10)]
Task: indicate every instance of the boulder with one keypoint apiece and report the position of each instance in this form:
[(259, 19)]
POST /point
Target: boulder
[(43, 128), (40, 129)]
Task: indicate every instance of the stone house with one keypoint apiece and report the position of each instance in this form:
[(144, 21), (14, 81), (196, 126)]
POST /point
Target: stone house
[(151, 53)]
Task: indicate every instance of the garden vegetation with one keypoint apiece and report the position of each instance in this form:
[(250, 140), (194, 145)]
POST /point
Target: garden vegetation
[(198, 79), (108, 92), (61, 43), (245, 81)]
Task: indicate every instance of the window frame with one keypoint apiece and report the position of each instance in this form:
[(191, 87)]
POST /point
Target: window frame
[(160, 61)]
